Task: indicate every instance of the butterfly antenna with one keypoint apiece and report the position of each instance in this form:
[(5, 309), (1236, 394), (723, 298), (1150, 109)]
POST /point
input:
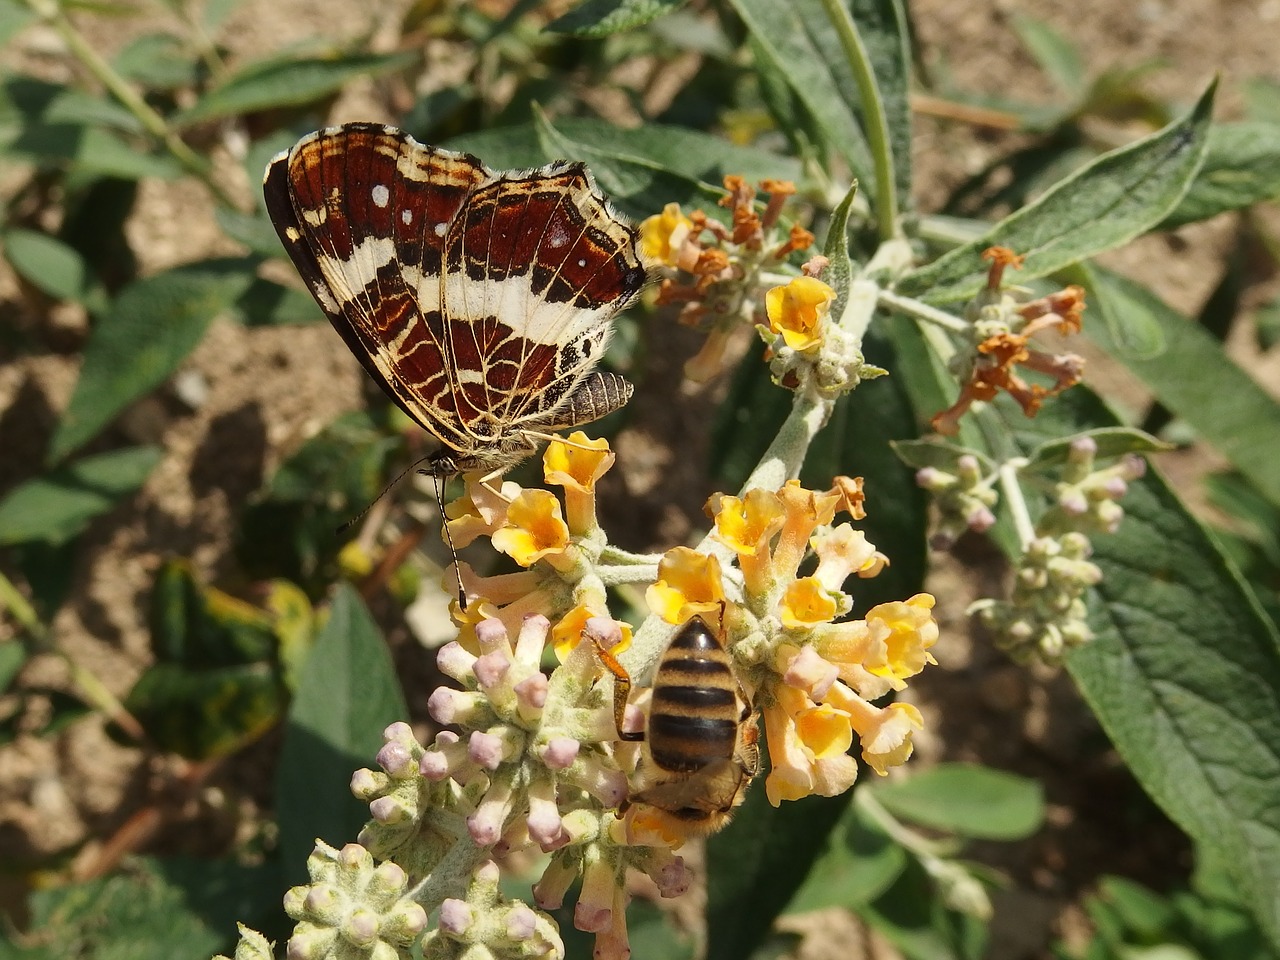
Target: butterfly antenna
[(385, 490), (448, 537)]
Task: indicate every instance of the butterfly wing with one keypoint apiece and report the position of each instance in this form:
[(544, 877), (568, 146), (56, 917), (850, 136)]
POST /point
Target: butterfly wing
[(536, 265), (363, 211)]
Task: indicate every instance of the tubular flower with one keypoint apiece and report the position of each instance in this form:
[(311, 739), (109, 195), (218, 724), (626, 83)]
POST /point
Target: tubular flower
[(576, 465), (807, 744), (1001, 329), (843, 551), (884, 732), (536, 528), (797, 310), (567, 634), (805, 604), (689, 583), (479, 511), (747, 525)]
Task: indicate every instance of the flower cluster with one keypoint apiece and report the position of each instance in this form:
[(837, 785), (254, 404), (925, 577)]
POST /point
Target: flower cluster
[(717, 271), (964, 498), (810, 674), (1002, 322)]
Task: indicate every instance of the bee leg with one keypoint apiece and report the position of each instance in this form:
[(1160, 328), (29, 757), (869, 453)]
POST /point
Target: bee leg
[(621, 689)]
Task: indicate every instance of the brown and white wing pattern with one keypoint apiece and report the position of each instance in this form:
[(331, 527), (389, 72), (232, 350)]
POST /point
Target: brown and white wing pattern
[(479, 301)]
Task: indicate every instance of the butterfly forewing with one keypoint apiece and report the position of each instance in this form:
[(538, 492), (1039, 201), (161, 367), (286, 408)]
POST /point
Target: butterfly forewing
[(477, 300)]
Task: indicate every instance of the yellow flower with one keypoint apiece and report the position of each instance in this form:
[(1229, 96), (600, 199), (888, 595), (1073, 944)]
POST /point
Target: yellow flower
[(662, 234), (804, 511), (567, 634), (746, 525), (577, 465), (805, 604), (884, 732), (536, 528), (842, 551), (807, 744), (797, 310), (688, 583), (479, 511), (907, 630)]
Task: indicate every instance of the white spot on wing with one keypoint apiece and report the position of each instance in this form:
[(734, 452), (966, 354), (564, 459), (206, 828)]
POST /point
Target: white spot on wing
[(381, 195), (556, 236), (316, 216), (406, 217), (439, 229), (325, 298)]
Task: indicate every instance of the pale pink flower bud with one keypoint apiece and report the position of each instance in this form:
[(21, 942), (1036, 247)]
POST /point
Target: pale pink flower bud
[(365, 783), (980, 519), (453, 706), (531, 695), (809, 672), (606, 785), (491, 668), (361, 927), (455, 661), (532, 639), (492, 635), (521, 922), (394, 757), (455, 917), (1073, 503), (485, 749), (549, 891), (387, 810), (672, 877), (485, 825), (560, 752)]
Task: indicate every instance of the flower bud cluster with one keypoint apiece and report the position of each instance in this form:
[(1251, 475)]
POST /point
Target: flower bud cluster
[(1086, 497), (964, 499), (485, 925), (352, 908), (1046, 612)]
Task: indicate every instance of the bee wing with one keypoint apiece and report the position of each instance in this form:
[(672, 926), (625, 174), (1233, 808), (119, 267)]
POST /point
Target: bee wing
[(714, 789)]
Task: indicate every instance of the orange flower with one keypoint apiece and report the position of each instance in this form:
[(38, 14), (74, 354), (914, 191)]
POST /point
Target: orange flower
[(663, 234), (567, 633), (746, 525), (479, 511), (796, 311), (805, 604)]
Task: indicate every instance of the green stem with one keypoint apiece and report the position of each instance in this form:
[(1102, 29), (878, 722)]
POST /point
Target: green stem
[(877, 129), (129, 98), (1016, 502), (922, 311)]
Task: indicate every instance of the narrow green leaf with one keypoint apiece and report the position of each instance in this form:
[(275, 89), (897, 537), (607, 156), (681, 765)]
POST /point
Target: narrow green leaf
[(599, 18), (160, 61), (1120, 195), (255, 231), (267, 303), (56, 507), (347, 695), (288, 81), (149, 330), (87, 150), (885, 33), (47, 262), (968, 800), (800, 45), (1199, 383), (1241, 168), (839, 274), (641, 169), (1054, 52), (1111, 441)]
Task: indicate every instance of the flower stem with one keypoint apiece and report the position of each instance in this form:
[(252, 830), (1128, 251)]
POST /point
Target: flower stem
[(875, 122), (921, 311), (1016, 502), (156, 125)]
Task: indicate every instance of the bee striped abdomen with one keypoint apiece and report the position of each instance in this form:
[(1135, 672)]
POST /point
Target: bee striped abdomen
[(695, 713)]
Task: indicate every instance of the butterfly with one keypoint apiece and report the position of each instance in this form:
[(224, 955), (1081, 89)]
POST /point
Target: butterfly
[(479, 300)]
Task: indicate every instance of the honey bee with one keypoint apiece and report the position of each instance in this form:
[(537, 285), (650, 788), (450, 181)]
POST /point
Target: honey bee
[(701, 748)]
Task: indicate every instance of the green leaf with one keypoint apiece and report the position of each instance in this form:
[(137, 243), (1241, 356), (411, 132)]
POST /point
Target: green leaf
[(267, 303), (1055, 53), (27, 101), (839, 274), (288, 81), (1241, 168), (87, 150), (858, 865), (148, 331), (1112, 442), (600, 18), (160, 61), (798, 40), (1184, 676), (255, 231), (1145, 915), (216, 683), (912, 916), (1267, 321), (58, 506), (142, 914), (13, 18), (968, 800), (885, 33), (1120, 195), (347, 695), (1198, 382), (640, 169), (47, 262), (939, 455)]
